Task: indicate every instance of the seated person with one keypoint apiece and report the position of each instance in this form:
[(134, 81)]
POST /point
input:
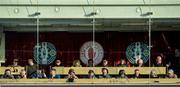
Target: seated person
[(140, 63), (31, 69), (90, 63), (105, 63), (122, 63), (171, 74), (122, 74), (58, 63), (158, 62), (91, 74), (23, 74), (15, 63), (53, 75), (41, 73), (76, 63), (137, 74), (105, 73), (7, 74), (71, 76), (117, 63), (153, 74)]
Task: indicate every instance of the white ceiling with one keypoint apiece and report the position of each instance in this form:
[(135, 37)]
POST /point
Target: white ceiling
[(86, 24)]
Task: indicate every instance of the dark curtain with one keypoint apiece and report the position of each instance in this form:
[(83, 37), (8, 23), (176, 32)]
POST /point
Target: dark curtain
[(20, 44)]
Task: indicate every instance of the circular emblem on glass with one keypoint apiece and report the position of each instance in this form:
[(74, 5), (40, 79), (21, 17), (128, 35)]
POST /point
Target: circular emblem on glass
[(137, 50), (44, 53), (87, 52)]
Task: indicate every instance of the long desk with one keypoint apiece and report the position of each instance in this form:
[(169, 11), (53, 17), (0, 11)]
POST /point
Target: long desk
[(97, 70), (112, 70), (14, 70)]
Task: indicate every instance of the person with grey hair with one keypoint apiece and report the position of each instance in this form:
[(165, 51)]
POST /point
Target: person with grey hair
[(171, 74), (153, 74), (23, 74)]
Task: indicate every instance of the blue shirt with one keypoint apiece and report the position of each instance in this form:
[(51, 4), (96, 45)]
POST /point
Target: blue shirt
[(55, 77)]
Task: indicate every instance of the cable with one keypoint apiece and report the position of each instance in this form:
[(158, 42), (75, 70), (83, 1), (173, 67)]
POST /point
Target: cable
[(149, 34), (149, 13), (149, 26), (37, 40), (149, 31), (94, 27), (93, 21)]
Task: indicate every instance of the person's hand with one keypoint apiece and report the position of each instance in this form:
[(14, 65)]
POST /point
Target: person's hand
[(69, 76)]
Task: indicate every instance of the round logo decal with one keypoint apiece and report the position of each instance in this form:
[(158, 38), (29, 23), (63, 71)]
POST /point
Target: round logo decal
[(44, 53), (87, 52), (136, 51)]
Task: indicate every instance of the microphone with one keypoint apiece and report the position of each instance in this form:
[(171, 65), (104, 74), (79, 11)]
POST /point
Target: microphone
[(35, 14), (147, 14)]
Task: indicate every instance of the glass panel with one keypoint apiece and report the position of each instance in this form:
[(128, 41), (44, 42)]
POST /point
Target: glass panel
[(90, 50)]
